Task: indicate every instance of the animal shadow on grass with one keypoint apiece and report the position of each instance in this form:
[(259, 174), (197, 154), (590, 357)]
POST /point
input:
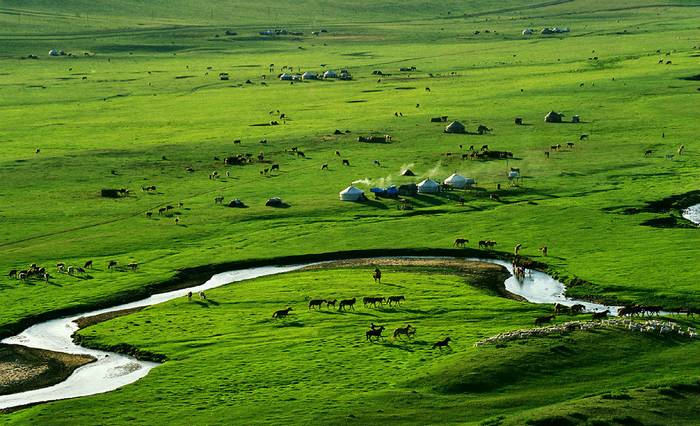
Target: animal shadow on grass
[(201, 303), (213, 302), (375, 204), (405, 344), (289, 323)]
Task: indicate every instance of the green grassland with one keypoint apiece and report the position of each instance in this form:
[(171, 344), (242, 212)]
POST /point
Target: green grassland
[(146, 103), (228, 359)]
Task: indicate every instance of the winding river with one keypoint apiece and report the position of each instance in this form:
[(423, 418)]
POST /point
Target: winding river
[(692, 213), (112, 370)]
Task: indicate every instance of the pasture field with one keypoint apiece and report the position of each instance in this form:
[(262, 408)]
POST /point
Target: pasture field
[(140, 101), (228, 359)]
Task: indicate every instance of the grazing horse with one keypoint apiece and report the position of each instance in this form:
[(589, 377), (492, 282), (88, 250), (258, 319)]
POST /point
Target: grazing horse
[(149, 214), (60, 266), (112, 264), (460, 242), (330, 303), (88, 264), (346, 162), (570, 145), (281, 313), (409, 331), (544, 320), (396, 299), (374, 332), (324, 167), (601, 315), (347, 303), (560, 309), (444, 343), (648, 153), (377, 275), (202, 295), (316, 303), (582, 137), (13, 273), (577, 309)]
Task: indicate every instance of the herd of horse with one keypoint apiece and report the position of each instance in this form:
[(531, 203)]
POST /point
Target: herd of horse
[(373, 301), (35, 271)]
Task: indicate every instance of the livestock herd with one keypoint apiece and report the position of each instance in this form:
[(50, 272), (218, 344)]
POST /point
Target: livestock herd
[(35, 271)]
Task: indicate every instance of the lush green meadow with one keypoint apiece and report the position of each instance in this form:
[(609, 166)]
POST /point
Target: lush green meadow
[(229, 361), (146, 103)]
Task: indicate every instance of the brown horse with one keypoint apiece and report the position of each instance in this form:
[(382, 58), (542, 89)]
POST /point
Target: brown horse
[(377, 276), (396, 299), (544, 320), (444, 343), (375, 333), (460, 242), (601, 315), (347, 303), (316, 303), (409, 331), (281, 313)]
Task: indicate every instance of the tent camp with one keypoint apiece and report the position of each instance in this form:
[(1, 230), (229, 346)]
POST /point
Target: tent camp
[(53, 52), (308, 75), (286, 76), (428, 186), (458, 181), (553, 117), (330, 74), (527, 31), (407, 172), (455, 127), (455, 181), (351, 193)]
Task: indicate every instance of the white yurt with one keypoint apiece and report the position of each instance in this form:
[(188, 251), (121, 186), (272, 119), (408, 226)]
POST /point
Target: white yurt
[(53, 52), (286, 76), (456, 181), (527, 31), (351, 193), (330, 74), (308, 75), (428, 186)]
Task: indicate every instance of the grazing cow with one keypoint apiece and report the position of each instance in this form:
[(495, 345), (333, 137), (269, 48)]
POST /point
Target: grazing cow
[(544, 320), (12, 273), (555, 147), (112, 264), (396, 299), (316, 303), (409, 331), (281, 313), (330, 303), (577, 309), (377, 275), (237, 142), (88, 264), (162, 210), (582, 137), (337, 153), (427, 89), (189, 295), (460, 242), (444, 343), (377, 163), (487, 244), (133, 266), (601, 315), (346, 162), (202, 295), (301, 154), (45, 277), (484, 147), (347, 303), (219, 200), (648, 153), (324, 167), (375, 333), (149, 214), (275, 167), (60, 266), (570, 145), (71, 270)]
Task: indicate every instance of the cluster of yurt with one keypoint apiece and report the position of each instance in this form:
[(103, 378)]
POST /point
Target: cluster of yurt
[(310, 75), (426, 186)]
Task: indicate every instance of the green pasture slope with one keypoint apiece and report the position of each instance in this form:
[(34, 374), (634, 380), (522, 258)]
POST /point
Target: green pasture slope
[(146, 103)]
